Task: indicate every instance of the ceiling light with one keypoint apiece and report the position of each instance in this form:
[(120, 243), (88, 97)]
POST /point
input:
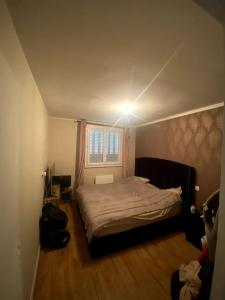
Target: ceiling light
[(127, 108)]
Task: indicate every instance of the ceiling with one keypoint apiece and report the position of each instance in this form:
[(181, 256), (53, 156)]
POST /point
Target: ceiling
[(88, 57), (216, 8)]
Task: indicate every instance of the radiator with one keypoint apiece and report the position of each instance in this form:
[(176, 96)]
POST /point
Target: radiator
[(102, 179)]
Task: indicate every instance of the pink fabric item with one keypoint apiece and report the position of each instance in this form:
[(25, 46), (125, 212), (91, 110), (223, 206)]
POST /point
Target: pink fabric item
[(203, 256), (126, 170), (79, 176)]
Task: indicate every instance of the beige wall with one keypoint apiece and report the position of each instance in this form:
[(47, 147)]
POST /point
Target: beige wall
[(23, 139), (218, 287), (90, 173), (62, 151), (62, 145)]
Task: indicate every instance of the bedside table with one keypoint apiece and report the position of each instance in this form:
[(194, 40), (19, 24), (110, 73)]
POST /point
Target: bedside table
[(194, 229), (53, 200), (66, 194)]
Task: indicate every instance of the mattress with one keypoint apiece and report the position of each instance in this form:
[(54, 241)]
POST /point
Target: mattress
[(112, 208)]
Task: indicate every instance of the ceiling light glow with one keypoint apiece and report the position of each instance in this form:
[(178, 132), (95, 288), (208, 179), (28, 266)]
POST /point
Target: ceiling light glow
[(127, 108)]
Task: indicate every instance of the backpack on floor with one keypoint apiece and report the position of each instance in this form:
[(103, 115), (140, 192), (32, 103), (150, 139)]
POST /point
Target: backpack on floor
[(53, 233)]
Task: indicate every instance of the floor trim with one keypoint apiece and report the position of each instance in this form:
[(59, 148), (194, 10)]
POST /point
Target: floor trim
[(35, 274)]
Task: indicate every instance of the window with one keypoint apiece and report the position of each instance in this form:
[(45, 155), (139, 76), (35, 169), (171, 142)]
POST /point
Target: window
[(103, 146)]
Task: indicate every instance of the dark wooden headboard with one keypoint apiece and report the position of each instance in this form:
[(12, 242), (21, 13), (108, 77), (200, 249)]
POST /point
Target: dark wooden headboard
[(166, 174)]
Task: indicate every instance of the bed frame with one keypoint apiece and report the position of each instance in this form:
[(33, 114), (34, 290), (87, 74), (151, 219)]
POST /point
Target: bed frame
[(163, 174)]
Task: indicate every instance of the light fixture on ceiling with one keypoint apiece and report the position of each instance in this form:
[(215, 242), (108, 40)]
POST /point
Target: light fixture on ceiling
[(127, 108), (127, 113)]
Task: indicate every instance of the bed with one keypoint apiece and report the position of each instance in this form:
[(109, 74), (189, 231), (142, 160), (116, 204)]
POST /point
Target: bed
[(132, 210)]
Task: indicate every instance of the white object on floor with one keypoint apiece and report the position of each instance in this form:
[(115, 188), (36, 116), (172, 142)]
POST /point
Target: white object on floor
[(193, 209), (204, 241)]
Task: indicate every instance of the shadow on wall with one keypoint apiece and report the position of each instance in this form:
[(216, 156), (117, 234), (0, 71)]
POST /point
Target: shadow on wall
[(215, 8), (194, 139)]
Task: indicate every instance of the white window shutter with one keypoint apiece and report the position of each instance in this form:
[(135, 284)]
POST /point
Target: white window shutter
[(95, 145), (113, 146), (104, 146)]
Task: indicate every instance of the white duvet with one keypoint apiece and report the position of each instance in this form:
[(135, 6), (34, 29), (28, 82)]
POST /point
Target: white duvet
[(104, 204)]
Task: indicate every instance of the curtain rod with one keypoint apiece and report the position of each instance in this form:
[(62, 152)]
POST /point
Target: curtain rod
[(98, 123), (92, 122)]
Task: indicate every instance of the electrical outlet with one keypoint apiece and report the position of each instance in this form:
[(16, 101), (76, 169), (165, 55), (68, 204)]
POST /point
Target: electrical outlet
[(197, 188)]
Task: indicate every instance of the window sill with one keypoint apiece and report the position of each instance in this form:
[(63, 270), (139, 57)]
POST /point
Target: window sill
[(103, 166)]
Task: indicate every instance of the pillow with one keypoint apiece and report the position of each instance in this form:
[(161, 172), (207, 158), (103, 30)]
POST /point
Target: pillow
[(177, 190), (145, 180)]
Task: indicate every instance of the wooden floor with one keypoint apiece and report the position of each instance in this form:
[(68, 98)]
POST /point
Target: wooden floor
[(141, 272)]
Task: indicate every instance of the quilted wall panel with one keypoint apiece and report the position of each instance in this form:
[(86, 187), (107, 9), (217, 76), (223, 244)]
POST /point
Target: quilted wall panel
[(194, 139)]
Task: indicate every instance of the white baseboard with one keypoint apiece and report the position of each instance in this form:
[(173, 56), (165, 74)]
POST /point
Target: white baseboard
[(35, 274)]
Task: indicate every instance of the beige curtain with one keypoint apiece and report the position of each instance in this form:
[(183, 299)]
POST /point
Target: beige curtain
[(80, 161), (126, 168)]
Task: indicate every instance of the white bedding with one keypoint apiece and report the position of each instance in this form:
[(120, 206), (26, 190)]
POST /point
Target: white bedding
[(116, 207)]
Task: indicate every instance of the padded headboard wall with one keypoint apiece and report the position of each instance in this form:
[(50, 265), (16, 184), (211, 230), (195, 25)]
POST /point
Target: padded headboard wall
[(166, 174)]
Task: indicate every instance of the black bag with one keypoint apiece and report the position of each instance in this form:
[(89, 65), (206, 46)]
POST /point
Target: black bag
[(56, 218), (53, 233)]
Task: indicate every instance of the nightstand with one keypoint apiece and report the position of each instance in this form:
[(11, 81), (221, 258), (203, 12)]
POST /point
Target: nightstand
[(53, 200), (66, 194), (194, 229)]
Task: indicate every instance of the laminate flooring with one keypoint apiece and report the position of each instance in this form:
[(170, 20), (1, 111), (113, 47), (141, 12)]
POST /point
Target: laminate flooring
[(140, 272)]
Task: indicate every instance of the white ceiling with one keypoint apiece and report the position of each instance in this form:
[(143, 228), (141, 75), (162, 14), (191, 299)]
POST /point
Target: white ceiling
[(87, 57)]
